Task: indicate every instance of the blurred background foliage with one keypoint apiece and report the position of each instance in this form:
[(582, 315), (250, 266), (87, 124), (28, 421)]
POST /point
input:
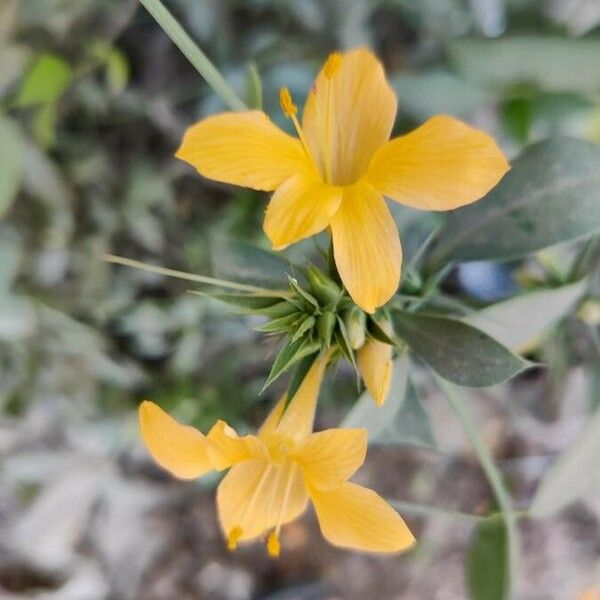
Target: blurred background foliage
[(94, 99)]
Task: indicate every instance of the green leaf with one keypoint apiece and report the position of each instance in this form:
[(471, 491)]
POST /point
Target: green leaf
[(519, 322), (549, 63), (305, 325), (457, 351), (285, 323), (308, 298), (45, 82), (254, 90), (12, 155), (486, 562), (551, 195), (252, 302), (343, 342), (572, 475), (290, 354), (116, 71), (250, 264)]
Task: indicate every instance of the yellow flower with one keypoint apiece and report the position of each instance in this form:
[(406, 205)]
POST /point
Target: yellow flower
[(590, 594), (276, 472), (375, 365), (338, 171)]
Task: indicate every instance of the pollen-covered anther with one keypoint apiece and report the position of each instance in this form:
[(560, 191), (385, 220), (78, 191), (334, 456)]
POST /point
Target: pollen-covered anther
[(273, 545), (234, 537), (287, 104), (332, 65)]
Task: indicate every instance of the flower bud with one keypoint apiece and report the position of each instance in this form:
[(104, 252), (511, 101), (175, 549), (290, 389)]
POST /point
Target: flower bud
[(325, 290), (355, 322)]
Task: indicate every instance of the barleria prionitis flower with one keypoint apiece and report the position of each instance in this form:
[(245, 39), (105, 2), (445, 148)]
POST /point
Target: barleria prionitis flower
[(275, 473), (336, 173)]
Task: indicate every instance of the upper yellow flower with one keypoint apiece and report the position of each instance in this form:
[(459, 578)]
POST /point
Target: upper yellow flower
[(342, 165), (274, 473)]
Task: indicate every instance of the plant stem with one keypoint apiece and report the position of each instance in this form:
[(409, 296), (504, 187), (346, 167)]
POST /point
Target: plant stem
[(433, 511), (495, 480), (191, 51), (136, 264)]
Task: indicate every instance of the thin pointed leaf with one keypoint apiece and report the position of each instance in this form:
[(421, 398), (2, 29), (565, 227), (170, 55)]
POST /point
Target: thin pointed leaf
[(304, 326), (344, 343), (311, 300), (290, 354), (286, 323)]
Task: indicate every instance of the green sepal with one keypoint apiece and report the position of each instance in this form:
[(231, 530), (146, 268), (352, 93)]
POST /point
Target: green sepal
[(343, 342), (308, 298), (325, 326), (251, 302), (326, 291), (290, 354), (306, 325), (286, 323)]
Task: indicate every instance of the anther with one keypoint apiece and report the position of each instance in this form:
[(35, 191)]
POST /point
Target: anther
[(332, 65), (287, 105), (273, 545), (234, 537)]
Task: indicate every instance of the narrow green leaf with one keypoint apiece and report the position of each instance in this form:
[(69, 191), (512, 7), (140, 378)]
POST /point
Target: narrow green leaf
[(191, 51), (305, 326), (457, 351), (254, 90), (486, 563), (45, 82), (290, 354), (280, 309), (519, 322), (286, 323), (310, 300), (246, 301), (12, 154), (551, 195), (343, 342), (573, 475)]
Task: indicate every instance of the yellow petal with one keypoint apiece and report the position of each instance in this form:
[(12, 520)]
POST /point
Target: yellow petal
[(441, 165), (375, 364), (298, 418), (300, 207), (228, 448), (349, 115), (366, 247), (255, 495), (180, 449), (352, 516), (331, 456), (243, 148)]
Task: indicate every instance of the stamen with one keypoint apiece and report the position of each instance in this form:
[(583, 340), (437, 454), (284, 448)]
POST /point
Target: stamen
[(332, 64), (288, 107), (289, 110), (273, 545), (236, 532), (234, 537)]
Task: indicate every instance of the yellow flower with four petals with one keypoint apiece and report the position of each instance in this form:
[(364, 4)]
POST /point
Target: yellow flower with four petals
[(338, 170), (273, 474)]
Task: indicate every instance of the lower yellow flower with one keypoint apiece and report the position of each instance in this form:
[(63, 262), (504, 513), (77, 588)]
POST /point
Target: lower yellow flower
[(276, 472)]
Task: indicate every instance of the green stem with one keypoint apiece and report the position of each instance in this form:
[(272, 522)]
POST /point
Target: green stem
[(433, 511), (136, 264), (191, 51), (495, 480)]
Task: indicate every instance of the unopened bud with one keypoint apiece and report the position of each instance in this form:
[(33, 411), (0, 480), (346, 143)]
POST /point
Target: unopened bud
[(355, 322), (324, 289)]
